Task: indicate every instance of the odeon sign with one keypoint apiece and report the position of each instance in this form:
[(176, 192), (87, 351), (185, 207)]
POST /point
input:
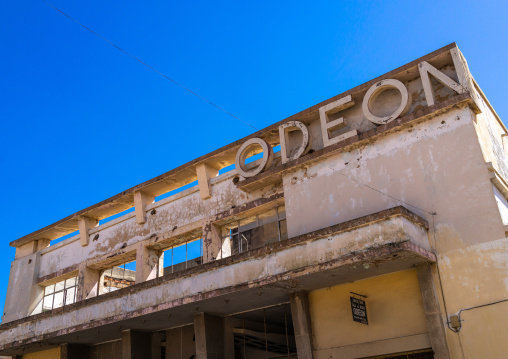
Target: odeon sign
[(374, 91)]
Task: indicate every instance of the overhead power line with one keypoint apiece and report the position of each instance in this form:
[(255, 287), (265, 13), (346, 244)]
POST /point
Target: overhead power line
[(150, 67)]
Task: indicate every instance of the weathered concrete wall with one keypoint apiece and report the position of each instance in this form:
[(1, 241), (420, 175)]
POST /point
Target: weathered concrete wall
[(434, 163), (23, 292), (493, 137), (180, 210), (165, 295), (436, 166), (394, 309)]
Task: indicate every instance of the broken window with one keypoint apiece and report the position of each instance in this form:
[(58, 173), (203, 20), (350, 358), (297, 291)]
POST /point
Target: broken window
[(254, 231), (183, 256), (117, 277), (58, 295)]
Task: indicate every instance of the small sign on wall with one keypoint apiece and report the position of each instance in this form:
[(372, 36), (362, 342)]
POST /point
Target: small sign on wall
[(359, 309)]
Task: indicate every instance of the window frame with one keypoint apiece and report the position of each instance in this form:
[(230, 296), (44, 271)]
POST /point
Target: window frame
[(238, 233), (64, 290)]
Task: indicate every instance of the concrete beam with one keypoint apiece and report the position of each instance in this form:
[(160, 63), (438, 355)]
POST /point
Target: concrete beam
[(74, 351), (205, 173), (31, 247), (209, 332), (300, 312), (84, 225), (149, 263), (141, 200), (136, 345), (437, 332)]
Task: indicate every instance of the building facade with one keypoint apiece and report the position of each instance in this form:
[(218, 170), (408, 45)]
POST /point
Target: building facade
[(371, 225)]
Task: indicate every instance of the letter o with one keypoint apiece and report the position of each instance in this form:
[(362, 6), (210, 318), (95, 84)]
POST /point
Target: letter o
[(375, 90), (241, 155)]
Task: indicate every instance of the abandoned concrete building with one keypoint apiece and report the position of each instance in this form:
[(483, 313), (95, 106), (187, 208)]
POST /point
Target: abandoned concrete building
[(371, 225)]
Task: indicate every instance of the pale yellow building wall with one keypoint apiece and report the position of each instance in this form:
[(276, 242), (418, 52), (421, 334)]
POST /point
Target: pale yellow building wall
[(45, 354), (435, 166), (397, 321)]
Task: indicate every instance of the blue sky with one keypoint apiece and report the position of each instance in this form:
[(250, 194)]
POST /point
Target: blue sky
[(82, 121)]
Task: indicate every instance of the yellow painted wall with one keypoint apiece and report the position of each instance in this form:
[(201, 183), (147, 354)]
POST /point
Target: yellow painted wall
[(45, 354), (395, 312)]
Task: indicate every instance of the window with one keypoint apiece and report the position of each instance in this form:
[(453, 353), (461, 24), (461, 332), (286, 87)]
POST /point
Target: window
[(117, 277), (254, 231), (58, 295), (183, 256)]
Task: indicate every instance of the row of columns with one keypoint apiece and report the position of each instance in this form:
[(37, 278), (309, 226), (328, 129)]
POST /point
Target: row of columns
[(209, 339)]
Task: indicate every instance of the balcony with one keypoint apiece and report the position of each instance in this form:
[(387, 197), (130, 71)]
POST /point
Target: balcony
[(388, 241)]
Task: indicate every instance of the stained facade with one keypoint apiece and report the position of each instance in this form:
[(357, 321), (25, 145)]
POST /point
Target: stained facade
[(371, 225)]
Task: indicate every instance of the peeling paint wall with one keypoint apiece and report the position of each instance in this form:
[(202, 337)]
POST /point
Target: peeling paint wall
[(436, 166), (249, 273), (433, 164), (176, 211)]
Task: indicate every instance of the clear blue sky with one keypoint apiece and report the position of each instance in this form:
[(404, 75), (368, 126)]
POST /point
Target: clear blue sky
[(82, 121)]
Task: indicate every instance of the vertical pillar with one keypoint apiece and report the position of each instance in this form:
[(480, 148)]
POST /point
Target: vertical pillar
[(84, 225), (74, 351), (23, 291), (88, 282), (148, 263), (141, 200), (212, 243), (302, 324), (209, 332), (437, 332), (205, 172), (136, 345), (157, 339), (229, 338), (180, 343)]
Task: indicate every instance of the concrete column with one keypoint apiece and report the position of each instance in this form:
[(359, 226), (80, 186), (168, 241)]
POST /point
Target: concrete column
[(148, 263), (180, 342), (229, 338), (136, 345), (84, 226), (205, 173), (302, 324), (209, 332), (74, 351), (141, 200), (88, 282), (23, 291), (212, 243), (157, 339), (433, 313)]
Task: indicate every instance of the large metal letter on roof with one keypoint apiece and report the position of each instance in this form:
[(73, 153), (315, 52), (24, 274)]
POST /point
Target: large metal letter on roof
[(284, 140), (327, 127), (375, 90), (426, 70), (245, 150)]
